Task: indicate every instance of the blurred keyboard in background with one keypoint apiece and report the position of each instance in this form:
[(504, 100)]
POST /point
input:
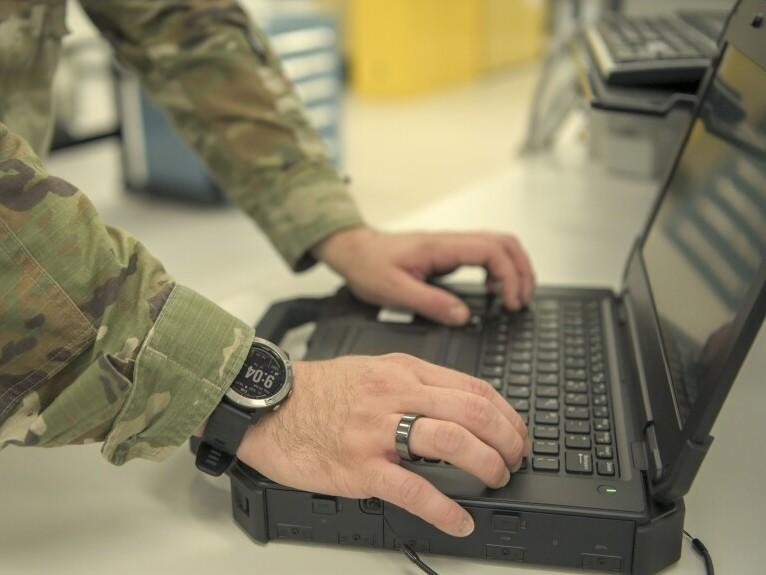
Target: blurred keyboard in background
[(655, 50)]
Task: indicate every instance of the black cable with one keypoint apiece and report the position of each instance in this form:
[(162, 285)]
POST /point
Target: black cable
[(410, 553), (700, 548)]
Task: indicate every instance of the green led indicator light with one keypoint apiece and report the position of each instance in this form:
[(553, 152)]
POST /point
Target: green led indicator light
[(611, 490)]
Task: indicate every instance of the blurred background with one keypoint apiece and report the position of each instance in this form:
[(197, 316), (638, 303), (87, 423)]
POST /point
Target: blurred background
[(415, 98)]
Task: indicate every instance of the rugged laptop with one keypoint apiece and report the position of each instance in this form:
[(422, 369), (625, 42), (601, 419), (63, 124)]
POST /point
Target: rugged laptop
[(620, 390)]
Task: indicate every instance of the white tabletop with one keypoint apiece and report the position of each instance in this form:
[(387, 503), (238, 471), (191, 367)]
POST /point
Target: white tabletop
[(68, 511)]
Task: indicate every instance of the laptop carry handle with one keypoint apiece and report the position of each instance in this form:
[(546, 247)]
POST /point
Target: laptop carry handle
[(289, 314)]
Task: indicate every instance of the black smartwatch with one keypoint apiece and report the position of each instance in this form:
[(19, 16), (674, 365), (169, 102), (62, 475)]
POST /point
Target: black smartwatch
[(263, 383)]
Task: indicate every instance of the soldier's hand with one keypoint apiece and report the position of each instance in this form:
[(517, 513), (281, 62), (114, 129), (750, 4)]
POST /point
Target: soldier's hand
[(335, 434), (391, 269)]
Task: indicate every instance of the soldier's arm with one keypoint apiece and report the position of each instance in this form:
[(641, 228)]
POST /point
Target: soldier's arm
[(97, 343), (214, 72)]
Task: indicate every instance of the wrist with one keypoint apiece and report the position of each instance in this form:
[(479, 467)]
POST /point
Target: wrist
[(261, 439), (331, 249)]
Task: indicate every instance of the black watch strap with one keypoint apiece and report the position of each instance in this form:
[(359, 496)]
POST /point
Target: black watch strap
[(225, 429)]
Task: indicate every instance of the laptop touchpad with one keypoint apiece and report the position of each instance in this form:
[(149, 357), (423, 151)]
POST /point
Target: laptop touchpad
[(456, 349), (425, 343)]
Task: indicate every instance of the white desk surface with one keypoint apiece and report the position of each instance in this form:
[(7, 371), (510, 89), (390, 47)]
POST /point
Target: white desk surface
[(67, 511)]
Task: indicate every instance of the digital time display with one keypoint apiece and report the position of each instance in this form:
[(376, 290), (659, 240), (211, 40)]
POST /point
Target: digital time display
[(262, 376)]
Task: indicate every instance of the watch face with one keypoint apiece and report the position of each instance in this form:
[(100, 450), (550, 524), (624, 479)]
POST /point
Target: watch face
[(262, 376)]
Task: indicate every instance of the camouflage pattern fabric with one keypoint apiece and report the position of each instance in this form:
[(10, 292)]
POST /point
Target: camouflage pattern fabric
[(97, 342)]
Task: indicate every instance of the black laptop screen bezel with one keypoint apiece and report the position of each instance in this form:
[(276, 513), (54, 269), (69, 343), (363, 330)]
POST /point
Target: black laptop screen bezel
[(742, 35)]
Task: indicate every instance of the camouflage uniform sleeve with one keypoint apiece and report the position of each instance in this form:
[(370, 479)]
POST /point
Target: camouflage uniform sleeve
[(214, 72), (97, 343)]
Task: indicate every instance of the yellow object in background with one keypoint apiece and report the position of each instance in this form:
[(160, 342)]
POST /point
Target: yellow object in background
[(514, 31), (400, 48)]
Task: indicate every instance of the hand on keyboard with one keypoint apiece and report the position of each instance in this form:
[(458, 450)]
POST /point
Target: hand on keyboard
[(335, 434), (391, 269)]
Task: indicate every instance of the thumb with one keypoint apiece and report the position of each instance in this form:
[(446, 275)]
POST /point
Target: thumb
[(432, 302)]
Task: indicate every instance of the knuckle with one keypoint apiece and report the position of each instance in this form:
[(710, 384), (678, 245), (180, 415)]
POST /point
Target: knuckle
[(494, 251), (412, 491), (478, 411), (522, 429), (450, 439), (378, 381), (401, 359), (480, 387)]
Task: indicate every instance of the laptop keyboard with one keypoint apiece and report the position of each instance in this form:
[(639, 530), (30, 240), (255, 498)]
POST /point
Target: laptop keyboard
[(549, 362), (658, 37)]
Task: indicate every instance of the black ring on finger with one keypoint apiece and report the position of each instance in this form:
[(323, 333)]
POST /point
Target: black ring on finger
[(402, 436)]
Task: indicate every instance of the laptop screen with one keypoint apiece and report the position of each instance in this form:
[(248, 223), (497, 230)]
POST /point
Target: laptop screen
[(707, 243)]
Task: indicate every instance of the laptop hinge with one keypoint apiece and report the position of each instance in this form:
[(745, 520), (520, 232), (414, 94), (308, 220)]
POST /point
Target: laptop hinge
[(653, 448), (626, 315)]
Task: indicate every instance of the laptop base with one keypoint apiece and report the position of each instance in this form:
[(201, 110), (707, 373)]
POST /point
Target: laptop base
[(270, 512)]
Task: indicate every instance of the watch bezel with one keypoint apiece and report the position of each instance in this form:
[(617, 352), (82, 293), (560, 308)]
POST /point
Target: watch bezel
[(279, 396)]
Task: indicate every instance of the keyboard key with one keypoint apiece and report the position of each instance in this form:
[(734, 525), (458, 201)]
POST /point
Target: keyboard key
[(576, 386), (548, 345), (574, 362), (492, 371), (579, 462), (494, 359), (573, 412), (495, 382), (576, 399), (547, 391), (547, 404), (546, 432), (495, 348), (575, 351), (524, 417), (548, 367), (547, 417), (521, 367), (522, 345), (522, 335), (601, 424), (546, 447), (578, 374), (517, 391), (578, 441), (603, 437), (599, 388), (545, 463), (548, 356), (605, 467), (577, 426), (519, 379), (521, 356), (546, 334), (599, 399), (601, 411), (597, 377), (547, 379), (604, 452), (519, 404), (499, 338)]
